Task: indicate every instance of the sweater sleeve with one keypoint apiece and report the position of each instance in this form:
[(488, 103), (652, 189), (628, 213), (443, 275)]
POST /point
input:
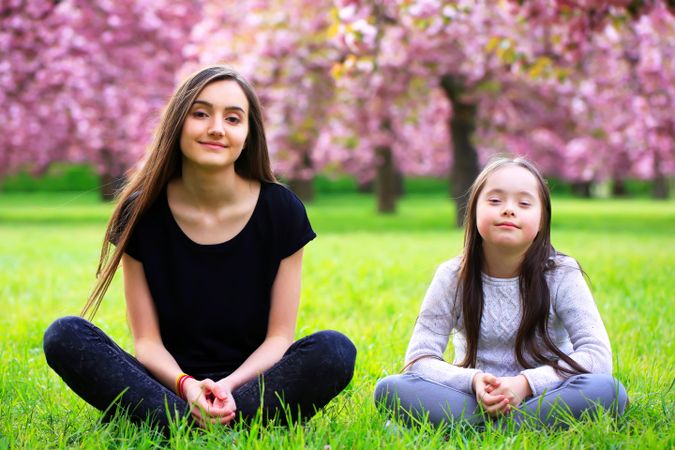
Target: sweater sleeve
[(575, 307), (432, 331)]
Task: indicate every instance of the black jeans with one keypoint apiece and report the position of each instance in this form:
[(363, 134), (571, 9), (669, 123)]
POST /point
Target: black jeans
[(311, 372)]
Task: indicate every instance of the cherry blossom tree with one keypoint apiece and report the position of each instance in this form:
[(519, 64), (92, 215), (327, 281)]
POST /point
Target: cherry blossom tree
[(441, 48), (94, 91), (609, 118), (375, 88), (476, 51), (32, 51), (387, 115)]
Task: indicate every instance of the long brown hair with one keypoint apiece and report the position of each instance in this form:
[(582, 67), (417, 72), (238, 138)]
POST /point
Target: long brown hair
[(163, 164), (533, 338)]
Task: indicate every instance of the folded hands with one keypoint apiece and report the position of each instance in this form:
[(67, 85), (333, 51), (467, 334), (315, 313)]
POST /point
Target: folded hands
[(499, 395), (210, 401)]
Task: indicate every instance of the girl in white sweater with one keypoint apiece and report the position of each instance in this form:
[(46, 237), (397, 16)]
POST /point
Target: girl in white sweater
[(529, 341)]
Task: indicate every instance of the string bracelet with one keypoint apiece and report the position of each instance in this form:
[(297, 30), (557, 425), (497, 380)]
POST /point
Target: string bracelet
[(178, 381), (181, 385)]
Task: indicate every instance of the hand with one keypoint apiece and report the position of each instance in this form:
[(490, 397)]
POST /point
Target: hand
[(514, 389), (224, 400), (206, 407), (492, 403)]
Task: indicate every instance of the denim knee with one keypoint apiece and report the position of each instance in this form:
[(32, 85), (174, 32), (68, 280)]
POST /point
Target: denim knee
[(334, 355), (63, 335)]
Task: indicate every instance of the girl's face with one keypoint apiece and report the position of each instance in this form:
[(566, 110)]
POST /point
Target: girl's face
[(508, 212), (215, 129)]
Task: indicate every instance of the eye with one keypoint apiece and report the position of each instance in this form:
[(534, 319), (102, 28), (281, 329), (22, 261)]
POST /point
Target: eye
[(525, 203), (199, 114), (493, 201), (233, 119)]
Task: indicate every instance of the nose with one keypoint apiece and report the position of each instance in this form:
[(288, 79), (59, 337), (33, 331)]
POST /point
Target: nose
[(216, 128), (508, 210)]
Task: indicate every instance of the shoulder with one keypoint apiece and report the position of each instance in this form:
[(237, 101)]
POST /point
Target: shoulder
[(567, 280), (280, 200), (127, 206), (148, 213), (563, 266), (450, 267), (447, 272), (128, 202), (278, 192), (149, 210), (441, 293)]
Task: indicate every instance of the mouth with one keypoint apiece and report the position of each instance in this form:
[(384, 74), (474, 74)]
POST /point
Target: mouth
[(508, 225), (213, 145)]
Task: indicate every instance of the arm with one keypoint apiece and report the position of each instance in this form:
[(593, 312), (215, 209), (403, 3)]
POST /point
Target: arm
[(575, 307), (430, 337), (285, 298), (149, 348), (142, 317)]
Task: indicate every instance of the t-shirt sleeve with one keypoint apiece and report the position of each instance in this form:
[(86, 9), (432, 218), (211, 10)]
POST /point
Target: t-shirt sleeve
[(132, 247), (295, 231)]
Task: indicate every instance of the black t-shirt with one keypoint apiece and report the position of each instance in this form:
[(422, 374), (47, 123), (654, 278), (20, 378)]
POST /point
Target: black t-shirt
[(213, 300)]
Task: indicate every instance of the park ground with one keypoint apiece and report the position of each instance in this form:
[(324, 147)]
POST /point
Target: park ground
[(364, 275)]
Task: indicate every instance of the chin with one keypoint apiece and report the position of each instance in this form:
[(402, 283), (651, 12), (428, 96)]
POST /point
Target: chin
[(509, 245), (212, 163)]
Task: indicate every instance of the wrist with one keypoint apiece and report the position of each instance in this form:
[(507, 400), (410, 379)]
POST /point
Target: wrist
[(525, 383), (182, 381), (228, 383), (474, 379), (177, 382)]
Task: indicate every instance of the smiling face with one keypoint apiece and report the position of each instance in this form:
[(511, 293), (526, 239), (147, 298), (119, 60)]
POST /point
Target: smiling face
[(509, 208), (215, 129)]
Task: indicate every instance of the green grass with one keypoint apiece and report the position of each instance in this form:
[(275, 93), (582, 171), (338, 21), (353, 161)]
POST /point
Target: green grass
[(364, 275)]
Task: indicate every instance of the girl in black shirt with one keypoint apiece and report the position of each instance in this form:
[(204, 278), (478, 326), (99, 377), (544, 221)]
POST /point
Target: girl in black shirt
[(211, 250)]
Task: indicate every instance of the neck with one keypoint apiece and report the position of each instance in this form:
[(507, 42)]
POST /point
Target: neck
[(500, 262), (211, 188)]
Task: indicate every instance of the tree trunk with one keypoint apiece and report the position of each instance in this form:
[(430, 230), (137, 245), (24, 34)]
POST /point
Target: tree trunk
[(304, 189), (582, 189), (113, 178), (385, 181), (368, 187), (365, 187), (619, 188), (660, 188), (465, 166)]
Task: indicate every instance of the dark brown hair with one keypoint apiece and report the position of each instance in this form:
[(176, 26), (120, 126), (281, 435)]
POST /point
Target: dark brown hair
[(533, 338), (163, 164)]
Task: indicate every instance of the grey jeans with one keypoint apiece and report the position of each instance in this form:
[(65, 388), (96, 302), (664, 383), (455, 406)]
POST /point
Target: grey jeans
[(410, 396)]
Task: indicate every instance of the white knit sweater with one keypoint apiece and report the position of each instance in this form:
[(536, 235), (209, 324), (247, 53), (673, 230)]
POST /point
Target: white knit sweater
[(574, 324)]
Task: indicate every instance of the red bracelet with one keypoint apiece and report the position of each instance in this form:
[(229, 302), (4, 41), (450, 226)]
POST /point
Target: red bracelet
[(181, 384), (177, 382)]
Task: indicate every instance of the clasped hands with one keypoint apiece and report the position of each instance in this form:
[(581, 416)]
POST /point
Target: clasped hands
[(499, 395), (210, 401)]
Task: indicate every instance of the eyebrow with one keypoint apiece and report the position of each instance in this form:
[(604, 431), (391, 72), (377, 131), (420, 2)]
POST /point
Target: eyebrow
[(501, 191), (210, 105)]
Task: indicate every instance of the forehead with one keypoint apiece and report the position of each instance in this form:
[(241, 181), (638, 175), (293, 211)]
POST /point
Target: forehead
[(224, 94), (512, 178)]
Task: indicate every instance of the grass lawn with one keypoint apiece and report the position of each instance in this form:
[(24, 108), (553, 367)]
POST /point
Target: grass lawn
[(365, 275)]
